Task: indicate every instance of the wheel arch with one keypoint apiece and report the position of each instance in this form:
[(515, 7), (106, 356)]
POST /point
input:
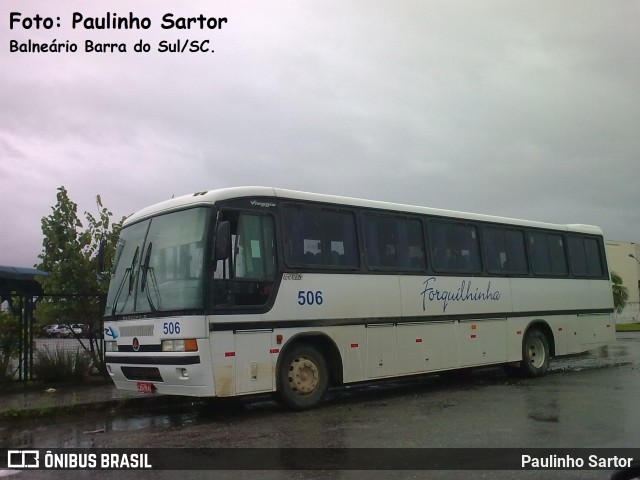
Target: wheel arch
[(326, 345), (546, 330)]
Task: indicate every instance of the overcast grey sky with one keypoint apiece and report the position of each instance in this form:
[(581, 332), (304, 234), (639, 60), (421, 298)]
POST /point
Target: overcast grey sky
[(527, 109)]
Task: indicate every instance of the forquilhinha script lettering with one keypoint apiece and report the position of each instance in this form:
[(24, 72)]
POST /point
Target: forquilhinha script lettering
[(464, 293)]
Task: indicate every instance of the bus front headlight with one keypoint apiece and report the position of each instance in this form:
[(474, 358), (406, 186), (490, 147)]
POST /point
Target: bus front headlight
[(188, 345)]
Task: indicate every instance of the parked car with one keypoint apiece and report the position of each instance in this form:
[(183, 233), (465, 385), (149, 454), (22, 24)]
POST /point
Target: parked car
[(74, 330), (51, 331), (66, 330)]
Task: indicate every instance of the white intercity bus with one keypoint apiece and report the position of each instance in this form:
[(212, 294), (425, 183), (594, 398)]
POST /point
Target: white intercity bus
[(249, 290)]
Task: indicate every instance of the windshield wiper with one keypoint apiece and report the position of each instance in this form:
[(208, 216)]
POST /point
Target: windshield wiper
[(146, 269), (127, 273)]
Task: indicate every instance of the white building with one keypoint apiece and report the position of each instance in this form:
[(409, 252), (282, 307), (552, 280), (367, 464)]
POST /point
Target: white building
[(624, 259)]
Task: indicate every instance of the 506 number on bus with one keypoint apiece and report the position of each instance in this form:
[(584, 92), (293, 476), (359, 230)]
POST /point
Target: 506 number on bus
[(309, 297), (169, 328)]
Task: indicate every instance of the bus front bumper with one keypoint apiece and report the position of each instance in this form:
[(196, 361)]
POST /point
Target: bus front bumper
[(185, 375)]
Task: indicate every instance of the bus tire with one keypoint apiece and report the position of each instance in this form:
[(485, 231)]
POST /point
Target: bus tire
[(303, 377), (535, 354)]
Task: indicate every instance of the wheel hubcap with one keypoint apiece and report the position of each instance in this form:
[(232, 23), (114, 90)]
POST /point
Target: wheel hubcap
[(303, 376), (536, 353)]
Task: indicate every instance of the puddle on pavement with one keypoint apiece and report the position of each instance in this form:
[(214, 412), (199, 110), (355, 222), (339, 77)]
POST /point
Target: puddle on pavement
[(83, 429), (77, 431)]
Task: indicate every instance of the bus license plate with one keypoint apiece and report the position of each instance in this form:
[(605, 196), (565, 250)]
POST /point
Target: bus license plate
[(145, 387)]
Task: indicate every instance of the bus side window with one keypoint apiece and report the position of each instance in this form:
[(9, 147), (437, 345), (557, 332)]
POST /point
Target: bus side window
[(547, 254), (584, 254), (316, 238), (394, 243), (454, 247), (504, 251)]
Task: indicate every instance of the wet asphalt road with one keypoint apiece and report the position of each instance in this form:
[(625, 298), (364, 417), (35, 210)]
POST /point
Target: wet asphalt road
[(588, 401)]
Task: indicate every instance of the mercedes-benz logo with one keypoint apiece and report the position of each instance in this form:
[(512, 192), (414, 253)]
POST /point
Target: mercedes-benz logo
[(136, 344)]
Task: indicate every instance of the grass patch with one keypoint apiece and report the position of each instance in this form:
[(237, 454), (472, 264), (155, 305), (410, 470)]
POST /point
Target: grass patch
[(61, 366), (628, 327)]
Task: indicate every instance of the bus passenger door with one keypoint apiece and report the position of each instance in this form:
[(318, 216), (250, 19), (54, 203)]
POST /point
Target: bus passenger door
[(242, 285)]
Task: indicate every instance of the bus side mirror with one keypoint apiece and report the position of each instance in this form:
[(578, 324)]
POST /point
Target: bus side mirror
[(223, 241)]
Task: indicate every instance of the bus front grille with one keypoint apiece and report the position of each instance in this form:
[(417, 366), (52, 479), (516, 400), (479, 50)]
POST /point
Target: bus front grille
[(150, 374)]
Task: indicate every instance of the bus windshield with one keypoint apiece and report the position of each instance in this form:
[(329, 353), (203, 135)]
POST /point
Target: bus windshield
[(159, 264)]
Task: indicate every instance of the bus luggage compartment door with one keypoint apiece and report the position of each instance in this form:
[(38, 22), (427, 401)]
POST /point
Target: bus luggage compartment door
[(482, 342), (254, 365), (381, 350)]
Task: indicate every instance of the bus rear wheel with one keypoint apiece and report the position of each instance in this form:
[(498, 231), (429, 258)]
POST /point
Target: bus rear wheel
[(535, 354), (303, 377)]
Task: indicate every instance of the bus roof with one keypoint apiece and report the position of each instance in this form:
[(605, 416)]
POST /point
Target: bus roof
[(213, 196)]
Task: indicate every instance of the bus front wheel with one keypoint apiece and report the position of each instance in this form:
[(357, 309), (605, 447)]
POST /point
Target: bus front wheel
[(303, 377), (535, 354)]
